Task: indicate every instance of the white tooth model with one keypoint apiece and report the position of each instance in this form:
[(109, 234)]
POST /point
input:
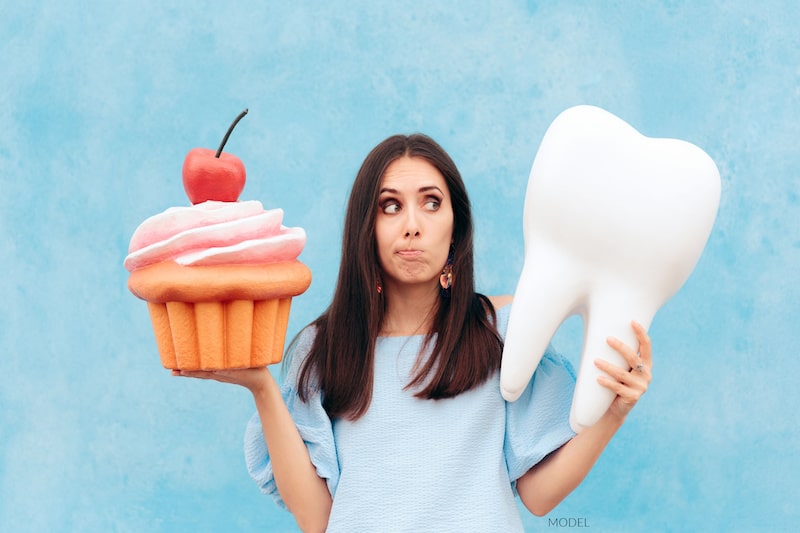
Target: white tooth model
[(614, 222)]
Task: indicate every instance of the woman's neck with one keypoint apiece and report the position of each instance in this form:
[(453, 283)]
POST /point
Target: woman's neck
[(409, 310)]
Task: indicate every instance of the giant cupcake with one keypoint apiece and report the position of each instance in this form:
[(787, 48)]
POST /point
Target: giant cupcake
[(218, 276)]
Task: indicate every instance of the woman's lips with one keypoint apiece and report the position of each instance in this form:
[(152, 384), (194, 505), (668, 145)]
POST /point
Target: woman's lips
[(409, 254)]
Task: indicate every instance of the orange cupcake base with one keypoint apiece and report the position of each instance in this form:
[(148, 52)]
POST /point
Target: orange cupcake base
[(220, 335), (220, 317)]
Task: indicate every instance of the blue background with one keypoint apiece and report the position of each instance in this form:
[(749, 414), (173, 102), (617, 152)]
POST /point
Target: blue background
[(99, 103)]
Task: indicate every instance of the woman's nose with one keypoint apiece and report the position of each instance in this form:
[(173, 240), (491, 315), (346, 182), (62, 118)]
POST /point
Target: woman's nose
[(412, 224)]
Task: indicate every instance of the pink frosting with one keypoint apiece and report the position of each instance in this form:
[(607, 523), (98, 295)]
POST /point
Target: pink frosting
[(215, 233)]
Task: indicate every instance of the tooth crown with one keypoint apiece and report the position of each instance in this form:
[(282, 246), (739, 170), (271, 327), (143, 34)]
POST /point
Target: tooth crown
[(614, 222), (610, 196)]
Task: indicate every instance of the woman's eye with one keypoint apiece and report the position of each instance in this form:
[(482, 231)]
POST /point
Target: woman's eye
[(390, 208), (432, 204)]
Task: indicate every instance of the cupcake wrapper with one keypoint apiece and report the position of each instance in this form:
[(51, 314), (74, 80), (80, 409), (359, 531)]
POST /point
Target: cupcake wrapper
[(220, 335)]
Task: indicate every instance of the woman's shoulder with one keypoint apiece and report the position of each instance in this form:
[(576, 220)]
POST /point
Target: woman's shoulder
[(502, 310), (500, 301)]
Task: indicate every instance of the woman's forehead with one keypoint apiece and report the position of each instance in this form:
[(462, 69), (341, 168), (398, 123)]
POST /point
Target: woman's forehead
[(412, 173)]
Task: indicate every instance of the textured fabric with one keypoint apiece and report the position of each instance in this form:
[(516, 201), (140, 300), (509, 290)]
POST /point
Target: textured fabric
[(424, 465)]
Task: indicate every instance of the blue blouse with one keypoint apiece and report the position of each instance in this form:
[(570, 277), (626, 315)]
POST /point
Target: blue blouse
[(424, 465)]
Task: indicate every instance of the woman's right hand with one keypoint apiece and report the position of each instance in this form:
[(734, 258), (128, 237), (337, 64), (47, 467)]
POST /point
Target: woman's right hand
[(253, 379)]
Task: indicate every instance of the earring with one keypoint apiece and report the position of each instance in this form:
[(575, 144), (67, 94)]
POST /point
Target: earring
[(379, 287), (446, 277)]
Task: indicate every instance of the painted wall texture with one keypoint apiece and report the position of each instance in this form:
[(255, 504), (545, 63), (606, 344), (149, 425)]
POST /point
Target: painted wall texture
[(99, 103)]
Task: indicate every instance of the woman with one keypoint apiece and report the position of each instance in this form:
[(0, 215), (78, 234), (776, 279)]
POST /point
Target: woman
[(390, 416)]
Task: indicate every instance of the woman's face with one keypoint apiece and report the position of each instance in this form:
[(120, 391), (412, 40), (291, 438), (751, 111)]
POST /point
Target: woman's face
[(414, 224)]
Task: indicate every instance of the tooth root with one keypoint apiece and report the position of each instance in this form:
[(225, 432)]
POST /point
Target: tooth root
[(609, 314), (543, 298), (614, 223)]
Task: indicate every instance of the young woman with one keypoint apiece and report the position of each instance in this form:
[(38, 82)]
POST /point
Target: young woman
[(390, 417)]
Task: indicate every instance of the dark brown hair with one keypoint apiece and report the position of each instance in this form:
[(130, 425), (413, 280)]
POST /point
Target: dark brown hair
[(467, 348)]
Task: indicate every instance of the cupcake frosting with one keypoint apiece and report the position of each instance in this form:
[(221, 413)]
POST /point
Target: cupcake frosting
[(215, 233)]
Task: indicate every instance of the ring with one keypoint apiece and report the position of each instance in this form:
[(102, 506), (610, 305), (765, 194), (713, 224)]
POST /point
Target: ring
[(639, 368)]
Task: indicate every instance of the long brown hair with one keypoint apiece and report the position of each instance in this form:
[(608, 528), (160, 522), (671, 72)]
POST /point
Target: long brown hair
[(467, 348)]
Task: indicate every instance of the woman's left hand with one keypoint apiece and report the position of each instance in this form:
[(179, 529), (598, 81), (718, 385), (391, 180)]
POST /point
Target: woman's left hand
[(629, 385)]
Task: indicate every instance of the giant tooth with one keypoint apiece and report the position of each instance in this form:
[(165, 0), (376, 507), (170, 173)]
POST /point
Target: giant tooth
[(614, 222)]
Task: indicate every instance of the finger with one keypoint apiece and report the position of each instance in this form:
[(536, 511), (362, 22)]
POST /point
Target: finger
[(627, 352), (645, 345), (629, 395), (629, 391), (638, 378), (197, 374)]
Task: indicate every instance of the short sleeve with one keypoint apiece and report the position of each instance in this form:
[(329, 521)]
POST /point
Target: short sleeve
[(311, 420), (537, 423)]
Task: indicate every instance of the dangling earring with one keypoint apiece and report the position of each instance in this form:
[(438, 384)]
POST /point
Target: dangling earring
[(446, 277), (379, 287)]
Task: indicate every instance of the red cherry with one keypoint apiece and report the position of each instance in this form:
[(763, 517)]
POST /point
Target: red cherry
[(209, 175)]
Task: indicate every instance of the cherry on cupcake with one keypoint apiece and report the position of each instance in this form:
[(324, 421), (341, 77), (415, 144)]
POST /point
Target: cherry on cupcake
[(210, 175)]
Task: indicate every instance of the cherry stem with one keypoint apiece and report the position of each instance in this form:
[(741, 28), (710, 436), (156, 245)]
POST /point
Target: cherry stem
[(228, 134)]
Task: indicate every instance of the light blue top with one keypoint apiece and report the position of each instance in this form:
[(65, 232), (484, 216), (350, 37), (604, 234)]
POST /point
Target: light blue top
[(425, 465)]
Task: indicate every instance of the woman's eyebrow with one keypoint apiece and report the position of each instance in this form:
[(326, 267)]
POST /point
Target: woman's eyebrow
[(421, 189)]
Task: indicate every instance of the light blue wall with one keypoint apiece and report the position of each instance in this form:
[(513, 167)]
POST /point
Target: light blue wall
[(99, 103)]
